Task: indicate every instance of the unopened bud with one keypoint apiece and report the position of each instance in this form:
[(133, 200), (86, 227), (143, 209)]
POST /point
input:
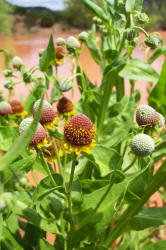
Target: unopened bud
[(17, 63), (65, 85)]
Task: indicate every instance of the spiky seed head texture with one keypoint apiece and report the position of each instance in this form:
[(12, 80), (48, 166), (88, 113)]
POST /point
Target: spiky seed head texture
[(48, 113), (79, 130), (17, 106), (161, 121), (142, 145), (146, 115), (5, 108), (72, 43), (39, 135), (64, 105)]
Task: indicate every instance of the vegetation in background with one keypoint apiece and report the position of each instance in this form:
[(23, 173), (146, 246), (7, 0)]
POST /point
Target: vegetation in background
[(5, 17)]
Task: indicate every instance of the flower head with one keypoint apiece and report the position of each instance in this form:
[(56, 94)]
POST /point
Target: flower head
[(49, 151), (48, 117), (146, 115), (79, 134), (18, 108), (65, 106), (5, 108), (41, 51), (161, 121), (60, 52), (60, 41), (72, 43), (17, 63), (39, 138), (142, 145), (83, 36)]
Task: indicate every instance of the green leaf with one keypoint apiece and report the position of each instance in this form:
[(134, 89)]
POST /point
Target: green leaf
[(160, 245), (96, 10), (7, 136), (23, 164), (149, 217), (49, 56), (1, 228), (7, 236), (92, 248), (156, 54), (157, 96), (106, 159), (45, 187), (43, 245), (88, 186), (76, 193), (21, 142), (138, 70), (132, 5)]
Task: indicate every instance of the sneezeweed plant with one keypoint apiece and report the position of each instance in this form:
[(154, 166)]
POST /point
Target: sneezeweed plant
[(97, 156)]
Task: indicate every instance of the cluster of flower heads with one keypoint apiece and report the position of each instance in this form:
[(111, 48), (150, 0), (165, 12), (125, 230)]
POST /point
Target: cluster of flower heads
[(78, 130), (146, 117), (15, 108)]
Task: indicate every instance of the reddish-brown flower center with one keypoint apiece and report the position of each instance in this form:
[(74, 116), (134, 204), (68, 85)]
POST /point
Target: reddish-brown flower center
[(79, 130), (64, 105), (59, 52), (17, 107)]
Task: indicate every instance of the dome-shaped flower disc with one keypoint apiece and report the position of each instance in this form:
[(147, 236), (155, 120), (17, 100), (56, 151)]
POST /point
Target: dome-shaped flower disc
[(39, 135), (60, 51), (64, 105), (79, 130), (5, 108), (161, 121), (146, 115), (142, 145), (48, 113), (17, 106)]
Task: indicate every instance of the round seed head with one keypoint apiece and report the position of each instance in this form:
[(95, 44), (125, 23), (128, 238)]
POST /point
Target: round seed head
[(17, 106), (161, 121), (5, 108), (79, 130), (39, 135), (17, 62), (60, 41), (146, 115), (83, 36), (72, 43), (142, 145), (48, 113), (64, 105)]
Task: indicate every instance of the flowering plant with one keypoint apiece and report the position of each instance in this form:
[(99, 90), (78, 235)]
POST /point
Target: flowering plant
[(97, 163)]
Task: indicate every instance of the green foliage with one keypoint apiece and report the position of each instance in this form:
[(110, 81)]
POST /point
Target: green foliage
[(5, 17)]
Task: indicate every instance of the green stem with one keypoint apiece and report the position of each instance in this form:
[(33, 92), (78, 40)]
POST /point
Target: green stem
[(69, 191), (45, 165), (157, 181), (57, 156), (132, 163), (141, 29), (89, 217)]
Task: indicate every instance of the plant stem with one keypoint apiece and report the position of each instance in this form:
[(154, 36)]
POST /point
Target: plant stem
[(69, 191), (89, 217), (57, 156), (45, 165), (131, 164), (141, 29)]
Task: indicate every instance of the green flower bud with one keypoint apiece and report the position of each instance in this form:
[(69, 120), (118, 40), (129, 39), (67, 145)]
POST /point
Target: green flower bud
[(83, 36), (134, 42), (65, 85), (17, 63), (7, 72), (72, 43), (60, 41), (27, 75), (142, 145), (9, 84), (97, 20), (141, 18), (152, 42), (132, 33)]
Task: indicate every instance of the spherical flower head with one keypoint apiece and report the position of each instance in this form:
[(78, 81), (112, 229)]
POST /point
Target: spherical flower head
[(161, 121), (47, 114), (146, 116), (7, 72), (49, 150), (17, 63), (83, 36), (5, 108), (64, 105), (142, 145), (39, 135), (79, 130), (72, 43), (17, 106), (60, 41)]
